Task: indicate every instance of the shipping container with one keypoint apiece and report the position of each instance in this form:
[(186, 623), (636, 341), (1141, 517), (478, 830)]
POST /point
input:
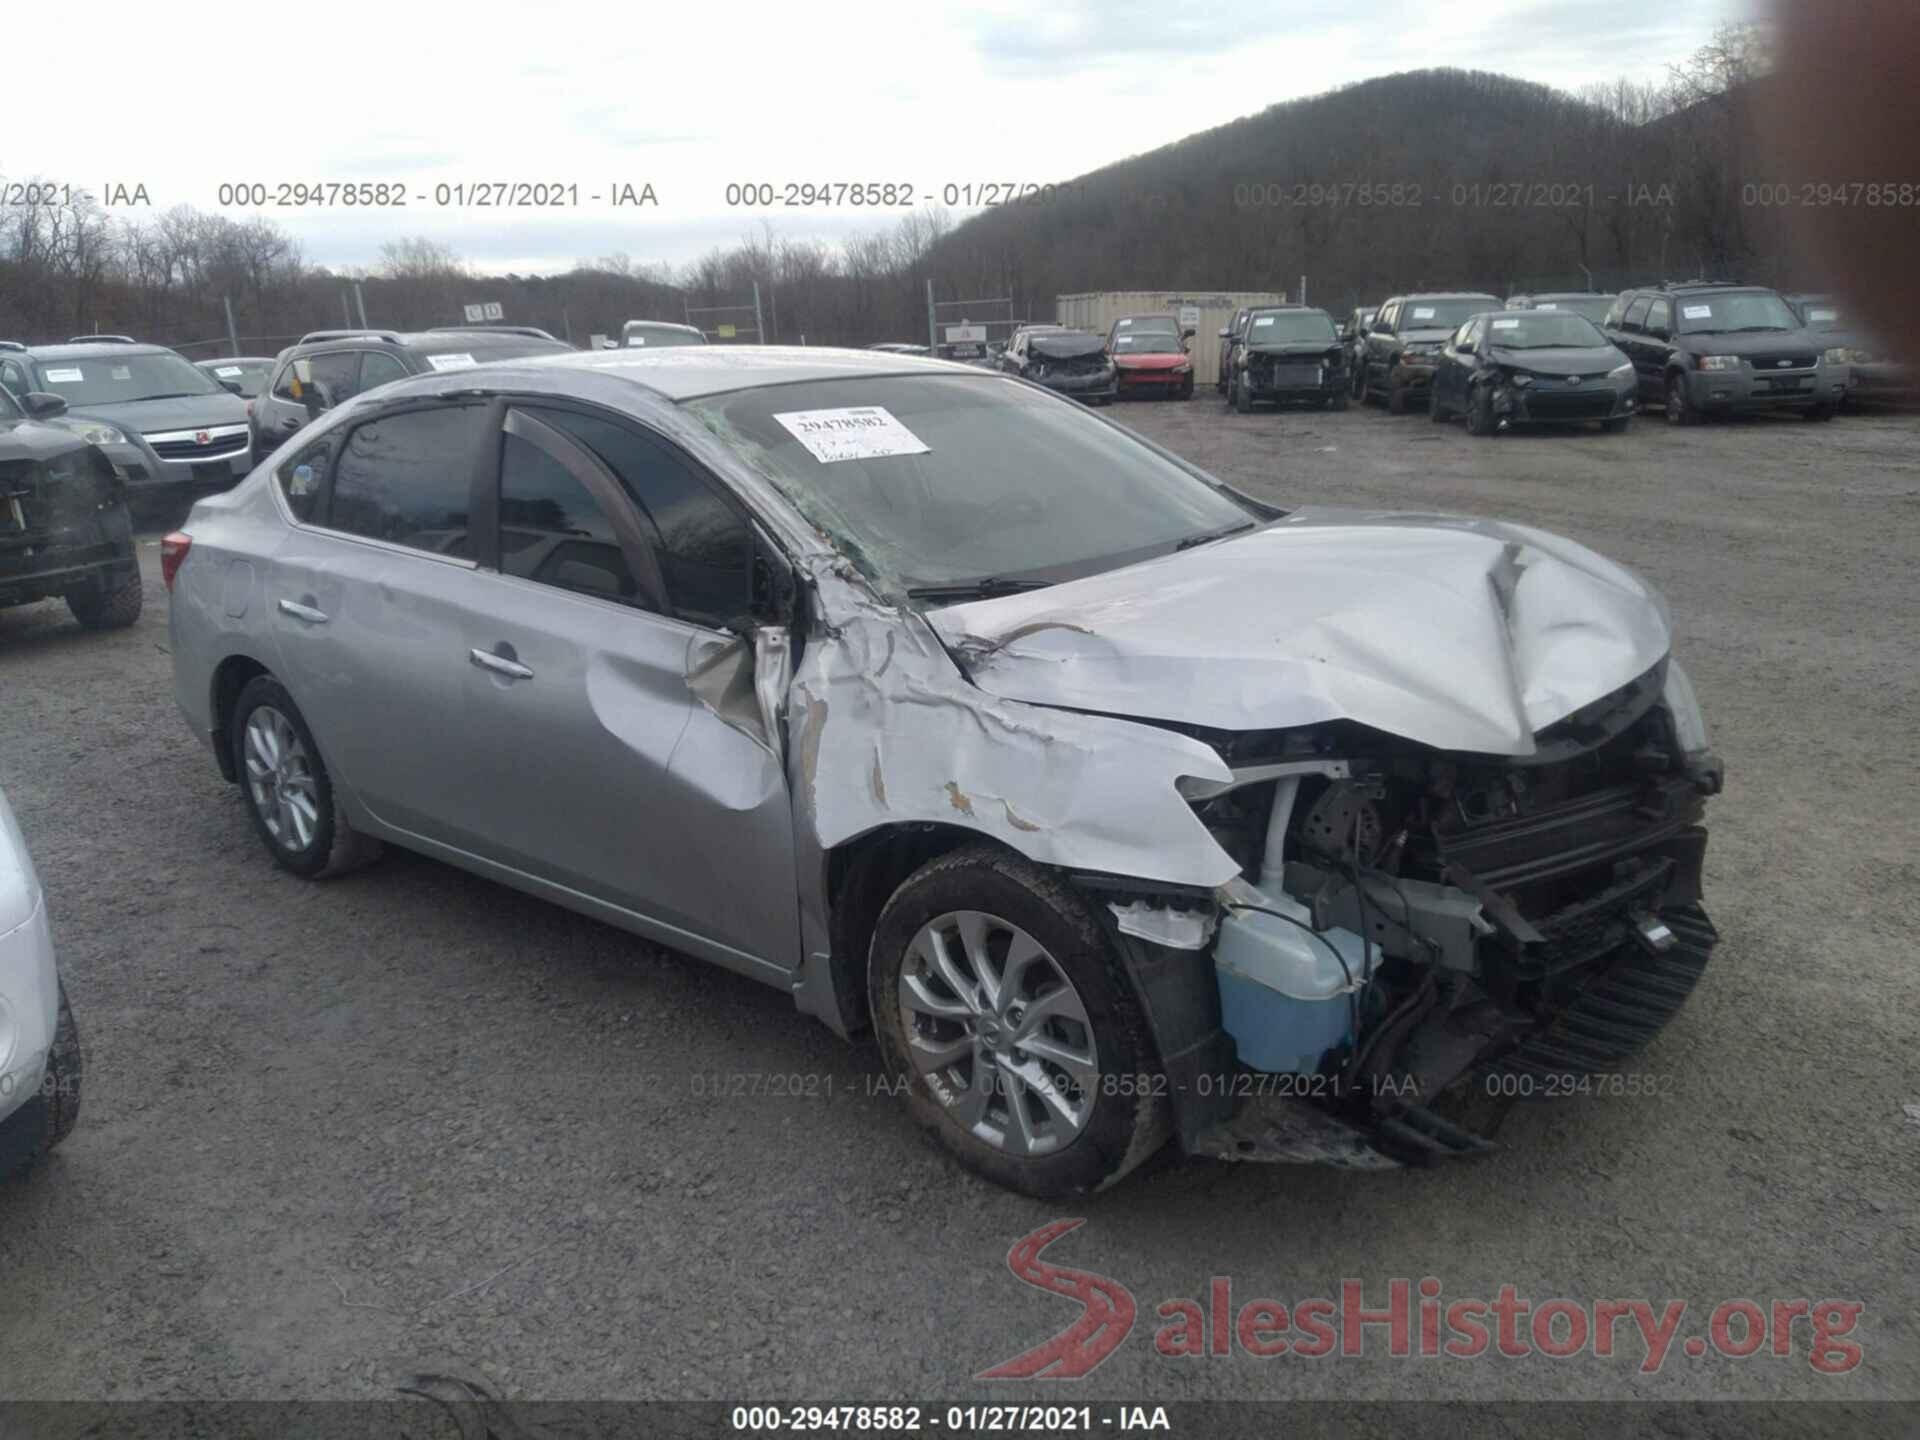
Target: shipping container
[(1205, 312)]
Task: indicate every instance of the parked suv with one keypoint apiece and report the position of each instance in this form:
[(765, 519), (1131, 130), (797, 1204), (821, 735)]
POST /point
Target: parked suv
[(163, 423), (64, 526), (329, 367), (1353, 336), (1707, 347), (1404, 341), (1287, 353), (958, 714)]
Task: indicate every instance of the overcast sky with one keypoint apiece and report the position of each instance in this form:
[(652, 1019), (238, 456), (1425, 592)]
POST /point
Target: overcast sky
[(690, 97)]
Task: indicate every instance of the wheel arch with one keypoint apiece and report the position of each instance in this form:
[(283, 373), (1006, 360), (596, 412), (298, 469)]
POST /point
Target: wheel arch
[(230, 677), (862, 874)]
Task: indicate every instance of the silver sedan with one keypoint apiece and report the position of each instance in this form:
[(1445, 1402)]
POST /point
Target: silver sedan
[(1104, 794)]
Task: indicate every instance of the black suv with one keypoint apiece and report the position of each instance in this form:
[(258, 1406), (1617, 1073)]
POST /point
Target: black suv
[(1708, 347), (328, 367), (1404, 342), (64, 526), (1287, 352)]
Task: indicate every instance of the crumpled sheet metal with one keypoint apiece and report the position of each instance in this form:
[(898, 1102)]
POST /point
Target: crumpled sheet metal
[(884, 730), (1461, 634)]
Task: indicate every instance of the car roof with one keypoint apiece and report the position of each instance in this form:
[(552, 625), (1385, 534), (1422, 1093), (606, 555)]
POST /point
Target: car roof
[(690, 372), (1445, 295), (1563, 295), (234, 360), (663, 325), (1262, 309), (94, 350)]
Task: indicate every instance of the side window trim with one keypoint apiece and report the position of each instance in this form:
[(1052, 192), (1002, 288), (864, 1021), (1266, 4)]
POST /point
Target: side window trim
[(607, 492)]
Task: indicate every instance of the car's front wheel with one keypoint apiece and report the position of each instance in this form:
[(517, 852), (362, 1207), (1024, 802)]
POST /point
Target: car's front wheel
[(1480, 411), (288, 792), (1242, 394), (1002, 1009), (1680, 409), (100, 606)]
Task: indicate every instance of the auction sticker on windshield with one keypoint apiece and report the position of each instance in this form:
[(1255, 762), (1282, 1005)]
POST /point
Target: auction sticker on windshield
[(1423, 312), (1506, 324), (1697, 312), (859, 432), (64, 377), (450, 362)]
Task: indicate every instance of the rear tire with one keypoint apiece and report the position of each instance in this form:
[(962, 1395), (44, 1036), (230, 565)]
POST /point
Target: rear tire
[(286, 788), (62, 1085), (1617, 425), (1339, 400), (99, 608), (1122, 1113)]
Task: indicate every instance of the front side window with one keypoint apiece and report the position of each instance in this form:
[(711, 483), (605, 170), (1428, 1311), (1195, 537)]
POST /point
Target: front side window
[(406, 478), (705, 546), (377, 368), (1636, 316), (552, 530)]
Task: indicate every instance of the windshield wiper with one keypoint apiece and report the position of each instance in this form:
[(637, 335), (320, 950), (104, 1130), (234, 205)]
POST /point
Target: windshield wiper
[(1749, 329), (983, 588), (176, 395), (1211, 535)]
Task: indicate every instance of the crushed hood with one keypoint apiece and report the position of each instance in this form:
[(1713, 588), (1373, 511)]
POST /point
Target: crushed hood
[(1458, 633), (1068, 345)]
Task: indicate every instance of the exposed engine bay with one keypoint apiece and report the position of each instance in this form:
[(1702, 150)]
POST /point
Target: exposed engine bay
[(1406, 920)]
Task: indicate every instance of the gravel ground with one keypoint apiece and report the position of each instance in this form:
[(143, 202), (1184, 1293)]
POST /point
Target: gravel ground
[(335, 1134)]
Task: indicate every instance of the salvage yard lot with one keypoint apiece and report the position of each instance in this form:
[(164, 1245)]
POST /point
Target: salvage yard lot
[(411, 1120)]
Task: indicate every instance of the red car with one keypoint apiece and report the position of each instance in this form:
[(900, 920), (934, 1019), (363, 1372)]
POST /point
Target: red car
[(1150, 356)]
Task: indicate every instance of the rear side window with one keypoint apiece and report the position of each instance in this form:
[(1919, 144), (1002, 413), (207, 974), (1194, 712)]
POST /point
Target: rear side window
[(1636, 315), (1614, 312), (301, 475), (406, 478), (1659, 316), (705, 546)]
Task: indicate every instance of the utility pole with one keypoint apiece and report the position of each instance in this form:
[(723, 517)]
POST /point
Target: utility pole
[(346, 310), (759, 326), (360, 301), (233, 335), (566, 324), (933, 338)]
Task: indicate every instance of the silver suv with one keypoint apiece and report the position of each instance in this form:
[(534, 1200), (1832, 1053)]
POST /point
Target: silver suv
[(931, 699)]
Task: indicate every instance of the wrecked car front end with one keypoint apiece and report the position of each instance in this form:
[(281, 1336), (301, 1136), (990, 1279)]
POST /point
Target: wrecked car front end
[(63, 520), (1072, 364), (1295, 372), (1434, 902)]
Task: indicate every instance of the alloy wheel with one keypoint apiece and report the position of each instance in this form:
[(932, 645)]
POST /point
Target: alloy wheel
[(998, 1033), (280, 779)]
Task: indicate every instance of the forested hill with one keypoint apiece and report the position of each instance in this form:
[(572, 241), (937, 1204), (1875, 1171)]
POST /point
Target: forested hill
[(1430, 178)]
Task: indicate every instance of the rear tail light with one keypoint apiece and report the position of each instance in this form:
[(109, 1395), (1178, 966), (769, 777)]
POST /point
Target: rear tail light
[(173, 550)]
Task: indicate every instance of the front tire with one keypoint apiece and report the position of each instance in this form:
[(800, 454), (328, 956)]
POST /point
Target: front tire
[(1480, 412), (1820, 412), (1436, 412), (1000, 1003), (288, 793), (1617, 425), (1396, 398), (1680, 409), (1242, 394)]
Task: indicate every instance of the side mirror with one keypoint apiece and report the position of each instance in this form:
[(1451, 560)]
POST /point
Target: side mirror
[(1224, 334), (44, 405), (1188, 334)]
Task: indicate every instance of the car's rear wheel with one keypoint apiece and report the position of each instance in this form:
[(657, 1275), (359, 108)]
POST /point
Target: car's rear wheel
[(1680, 409), (1339, 400), (1001, 1007), (100, 606), (288, 792)]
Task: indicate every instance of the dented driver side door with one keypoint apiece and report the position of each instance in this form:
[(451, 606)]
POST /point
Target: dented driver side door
[(619, 748)]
